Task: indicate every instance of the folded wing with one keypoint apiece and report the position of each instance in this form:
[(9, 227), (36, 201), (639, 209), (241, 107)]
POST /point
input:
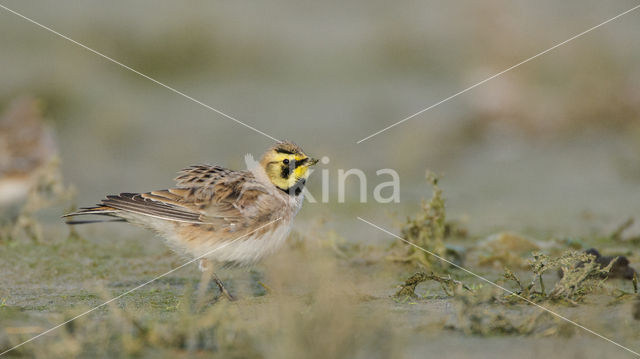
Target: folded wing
[(203, 195)]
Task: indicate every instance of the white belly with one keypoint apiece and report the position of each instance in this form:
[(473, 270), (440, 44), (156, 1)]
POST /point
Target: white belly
[(247, 250), (238, 251)]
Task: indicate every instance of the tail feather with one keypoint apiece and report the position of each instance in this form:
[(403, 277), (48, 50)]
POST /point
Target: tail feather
[(99, 210), (89, 221), (158, 204)]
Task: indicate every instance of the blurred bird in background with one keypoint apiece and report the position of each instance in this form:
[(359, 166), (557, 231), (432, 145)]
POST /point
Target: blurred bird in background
[(29, 175)]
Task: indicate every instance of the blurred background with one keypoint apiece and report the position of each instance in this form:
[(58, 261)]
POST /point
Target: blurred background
[(553, 144), (543, 158)]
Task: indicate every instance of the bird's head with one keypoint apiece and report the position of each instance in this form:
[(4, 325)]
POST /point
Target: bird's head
[(287, 166)]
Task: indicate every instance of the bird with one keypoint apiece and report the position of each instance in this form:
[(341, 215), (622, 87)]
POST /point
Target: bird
[(27, 147), (216, 215)]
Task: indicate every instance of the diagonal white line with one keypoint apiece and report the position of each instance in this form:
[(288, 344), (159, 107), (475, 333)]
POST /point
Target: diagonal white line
[(499, 73), (501, 287), (136, 288), (138, 73)]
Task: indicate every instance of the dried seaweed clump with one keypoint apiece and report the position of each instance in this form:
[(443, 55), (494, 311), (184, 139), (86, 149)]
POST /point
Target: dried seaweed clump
[(426, 230), (487, 322), (481, 312), (582, 274), (448, 284)]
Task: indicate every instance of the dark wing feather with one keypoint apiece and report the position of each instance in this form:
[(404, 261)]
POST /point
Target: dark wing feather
[(204, 194), (137, 203), (113, 205)]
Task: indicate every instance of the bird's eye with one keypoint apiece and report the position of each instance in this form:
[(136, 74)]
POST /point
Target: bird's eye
[(286, 161)]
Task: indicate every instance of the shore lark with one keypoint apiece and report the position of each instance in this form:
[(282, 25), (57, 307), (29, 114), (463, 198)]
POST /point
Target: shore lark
[(27, 146), (221, 215)]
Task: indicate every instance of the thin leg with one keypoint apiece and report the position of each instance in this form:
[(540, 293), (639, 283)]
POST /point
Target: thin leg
[(207, 274), (222, 288)]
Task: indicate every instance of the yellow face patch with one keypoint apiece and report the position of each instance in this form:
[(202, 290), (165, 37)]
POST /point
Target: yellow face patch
[(285, 169)]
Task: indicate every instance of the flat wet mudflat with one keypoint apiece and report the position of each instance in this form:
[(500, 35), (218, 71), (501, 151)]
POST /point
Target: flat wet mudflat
[(323, 296)]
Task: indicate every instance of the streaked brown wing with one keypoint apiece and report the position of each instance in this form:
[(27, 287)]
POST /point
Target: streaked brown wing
[(140, 204), (200, 175), (205, 194)]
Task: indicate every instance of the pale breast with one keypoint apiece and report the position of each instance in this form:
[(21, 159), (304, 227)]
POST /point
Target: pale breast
[(242, 249)]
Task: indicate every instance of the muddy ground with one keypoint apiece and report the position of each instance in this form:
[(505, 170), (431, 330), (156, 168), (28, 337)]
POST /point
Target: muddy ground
[(320, 296)]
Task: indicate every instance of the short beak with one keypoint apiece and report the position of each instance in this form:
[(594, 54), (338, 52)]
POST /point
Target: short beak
[(313, 161)]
